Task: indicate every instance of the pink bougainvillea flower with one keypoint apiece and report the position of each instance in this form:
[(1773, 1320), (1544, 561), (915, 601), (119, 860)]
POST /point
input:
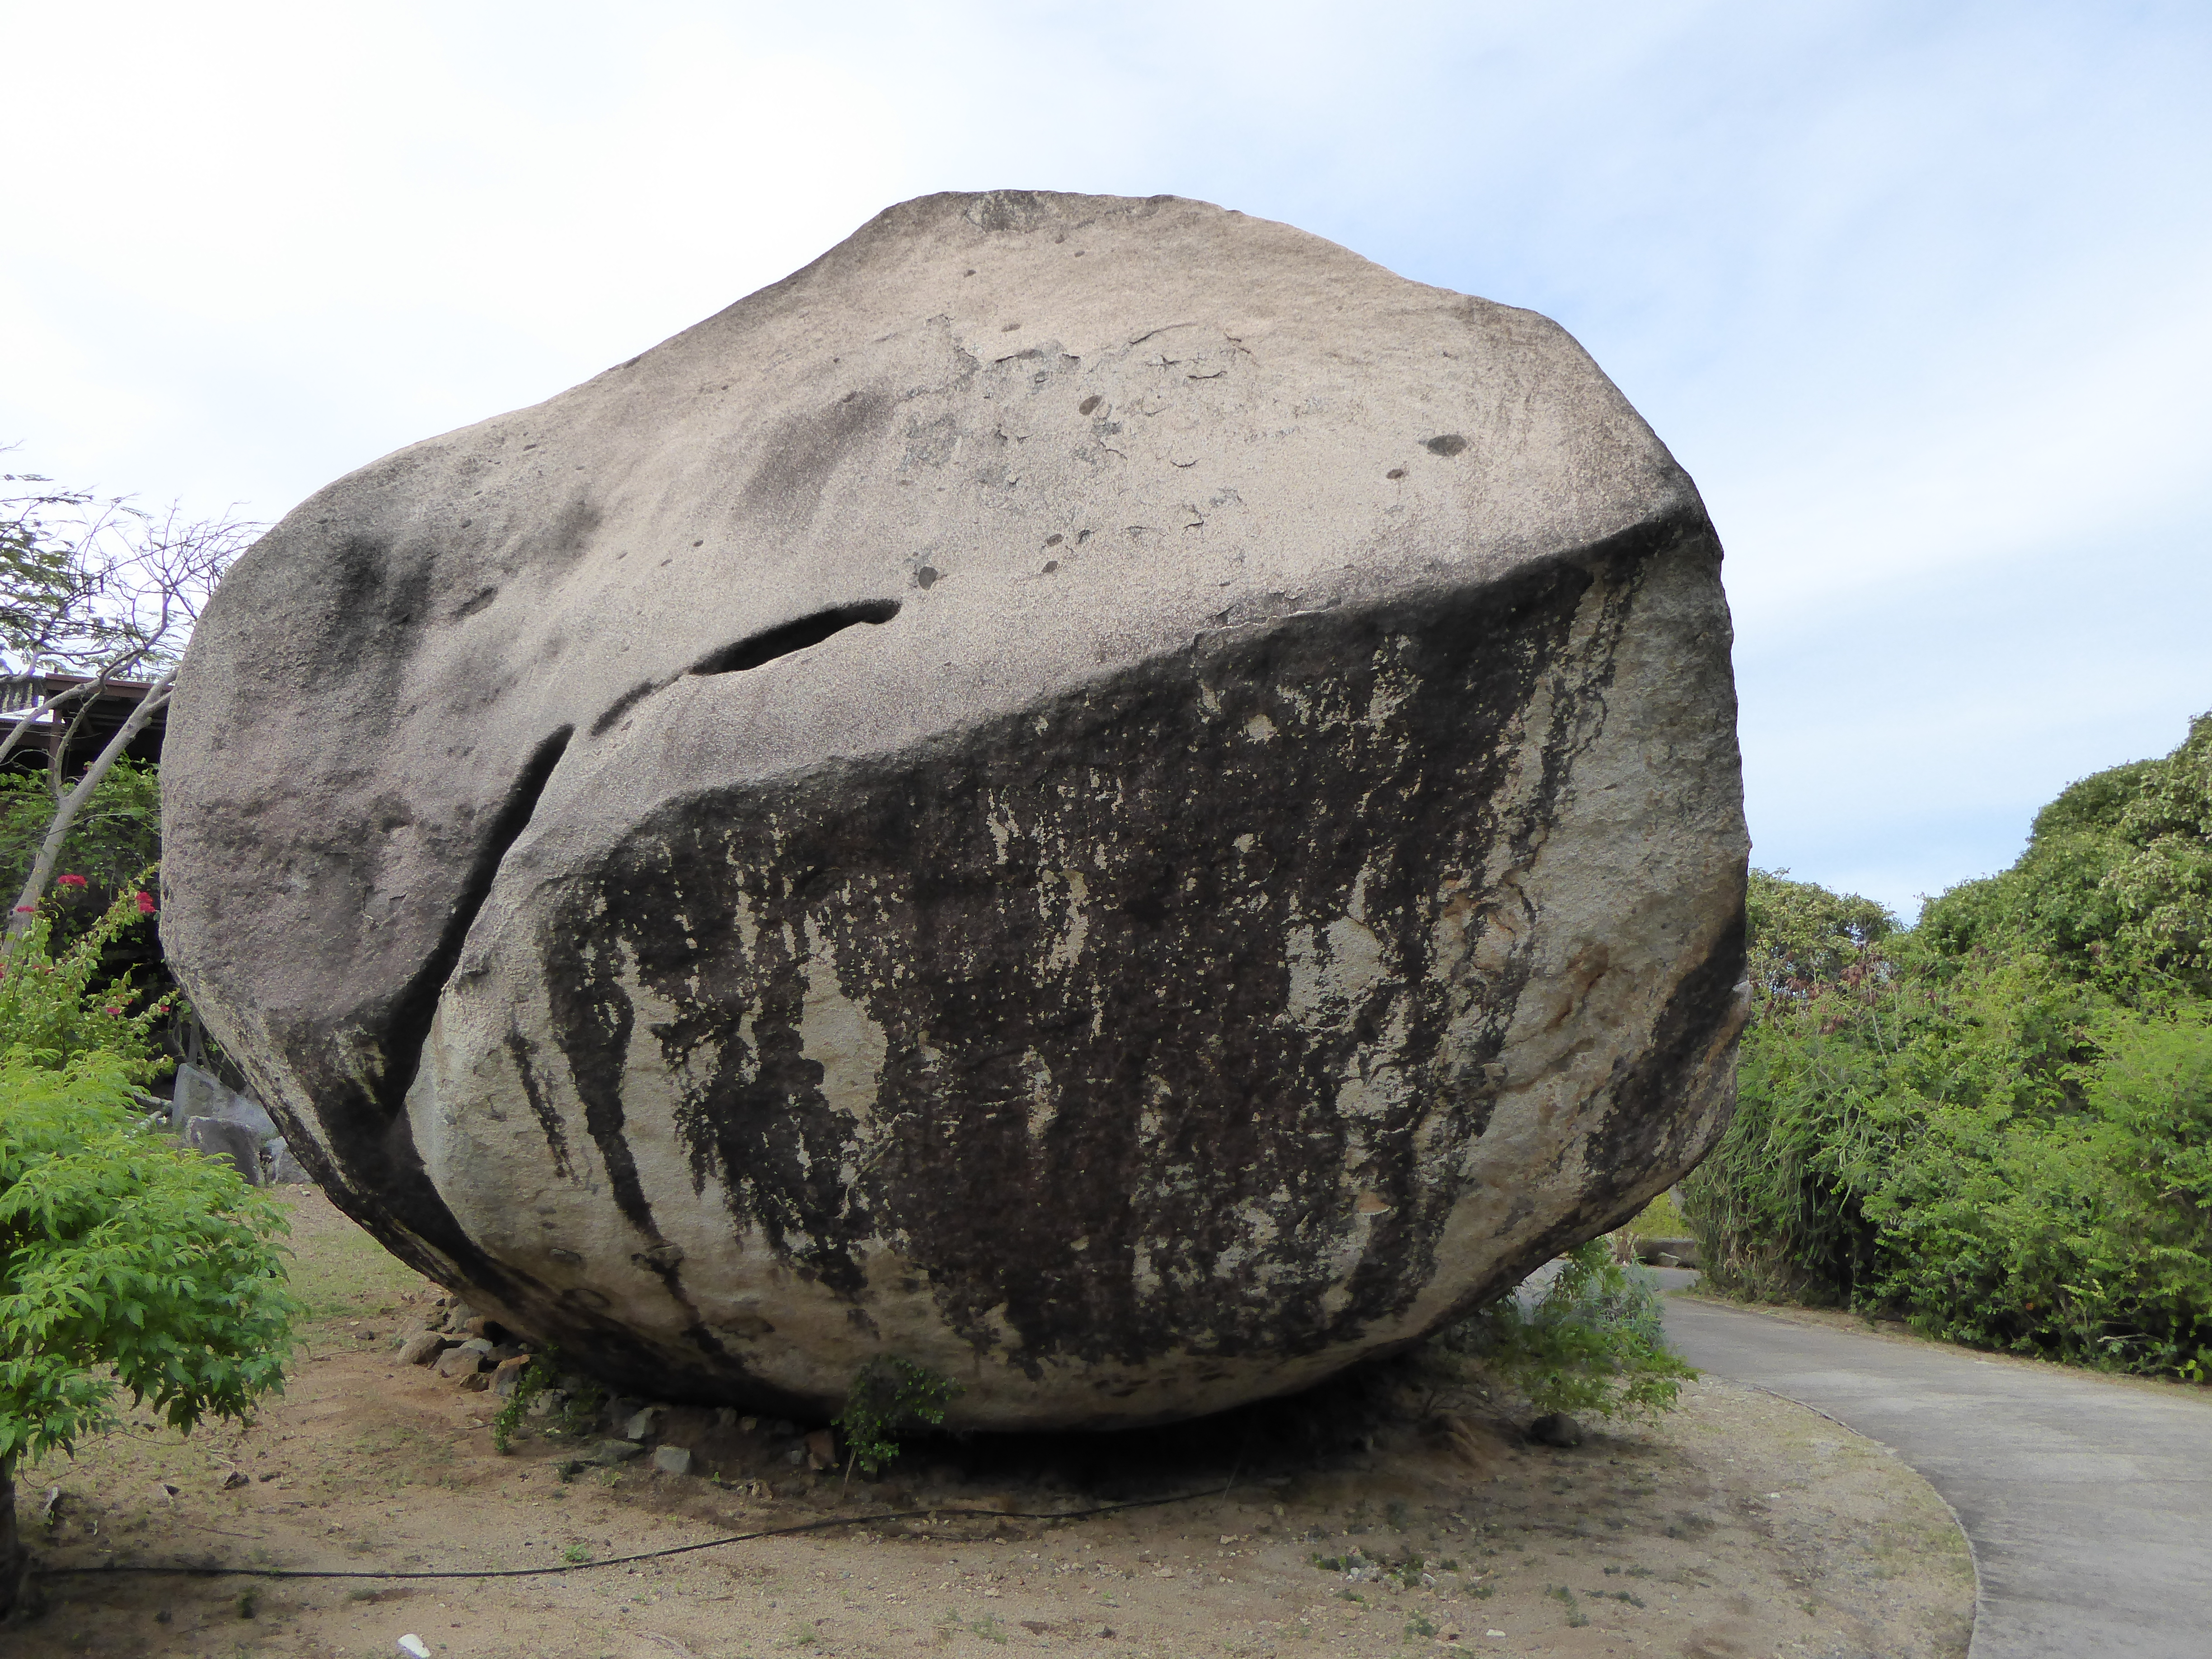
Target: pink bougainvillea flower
[(23, 909), (145, 904), (114, 1011), (70, 881)]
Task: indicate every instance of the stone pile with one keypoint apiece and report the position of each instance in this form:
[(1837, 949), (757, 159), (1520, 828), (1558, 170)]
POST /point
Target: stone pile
[(460, 1345), (456, 1344)]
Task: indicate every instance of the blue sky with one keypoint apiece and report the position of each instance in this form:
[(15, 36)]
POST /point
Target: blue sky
[(1921, 295)]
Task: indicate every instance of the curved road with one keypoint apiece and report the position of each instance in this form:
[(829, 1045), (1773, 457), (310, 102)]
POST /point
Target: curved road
[(2087, 1501)]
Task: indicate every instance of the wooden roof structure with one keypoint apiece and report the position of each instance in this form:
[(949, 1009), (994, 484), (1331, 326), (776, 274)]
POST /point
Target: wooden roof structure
[(110, 706)]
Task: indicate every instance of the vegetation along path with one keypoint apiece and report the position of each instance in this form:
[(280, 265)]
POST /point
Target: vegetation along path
[(2088, 1499)]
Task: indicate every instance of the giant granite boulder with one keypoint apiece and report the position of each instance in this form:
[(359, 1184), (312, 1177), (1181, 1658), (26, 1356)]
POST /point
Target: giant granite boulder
[(1097, 794)]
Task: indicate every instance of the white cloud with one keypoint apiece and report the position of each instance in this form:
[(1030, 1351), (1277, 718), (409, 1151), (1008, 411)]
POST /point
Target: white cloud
[(1917, 294)]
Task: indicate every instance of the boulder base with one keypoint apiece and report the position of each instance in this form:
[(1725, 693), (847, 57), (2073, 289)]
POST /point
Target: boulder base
[(1097, 795)]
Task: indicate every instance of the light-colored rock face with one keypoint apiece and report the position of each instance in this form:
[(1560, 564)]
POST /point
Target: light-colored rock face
[(1100, 795)]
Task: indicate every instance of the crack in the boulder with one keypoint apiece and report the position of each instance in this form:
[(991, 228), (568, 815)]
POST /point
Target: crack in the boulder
[(408, 1031), (378, 1173), (781, 642)]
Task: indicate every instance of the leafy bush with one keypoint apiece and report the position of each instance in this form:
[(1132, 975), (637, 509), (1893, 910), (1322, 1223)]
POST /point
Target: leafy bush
[(1995, 1122), (1593, 1344), (54, 1009), (115, 835), (127, 1266), (2087, 1237), (890, 1397), (109, 857), (123, 1252)]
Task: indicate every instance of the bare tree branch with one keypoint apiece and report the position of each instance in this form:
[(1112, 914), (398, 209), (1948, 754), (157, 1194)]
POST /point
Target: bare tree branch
[(97, 589), (49, 850)]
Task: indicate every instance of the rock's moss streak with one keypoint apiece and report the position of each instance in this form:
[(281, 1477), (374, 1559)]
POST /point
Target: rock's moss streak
[(1161, 1023), (1099, 795)]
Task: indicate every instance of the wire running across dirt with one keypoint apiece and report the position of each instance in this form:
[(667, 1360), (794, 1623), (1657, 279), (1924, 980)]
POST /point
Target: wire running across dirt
[(823, 1525)]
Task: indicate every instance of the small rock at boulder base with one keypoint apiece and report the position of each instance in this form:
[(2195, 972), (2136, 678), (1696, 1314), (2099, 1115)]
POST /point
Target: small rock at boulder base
[(691, 870), (671, 1460), (284, 1170), (507, 1376), (463, 1361), (1556, 1428), (422, 1347), (638, 1426), (231, 1141), (821, 1449), (611, 1452)]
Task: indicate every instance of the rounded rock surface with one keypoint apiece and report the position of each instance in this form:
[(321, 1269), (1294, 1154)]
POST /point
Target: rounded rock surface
[(1097, 795)]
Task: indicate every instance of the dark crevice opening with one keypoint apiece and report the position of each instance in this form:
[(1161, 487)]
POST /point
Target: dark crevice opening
[(794, 636), (409, 1029), (623, 704)]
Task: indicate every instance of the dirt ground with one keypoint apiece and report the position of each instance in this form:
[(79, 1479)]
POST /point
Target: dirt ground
[(1379, 1516)]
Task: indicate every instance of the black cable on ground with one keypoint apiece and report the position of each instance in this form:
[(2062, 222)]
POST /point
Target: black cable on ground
[(823, 1525)]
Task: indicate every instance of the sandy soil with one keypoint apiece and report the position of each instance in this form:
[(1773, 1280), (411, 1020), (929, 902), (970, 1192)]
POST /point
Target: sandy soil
[(1383, 1516)]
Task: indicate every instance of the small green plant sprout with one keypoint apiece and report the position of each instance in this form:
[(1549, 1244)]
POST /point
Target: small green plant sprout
[(1420, 1624), (577, 1555), (581, 1411), (1576, 1617), (889, 1396), (536, 1378)]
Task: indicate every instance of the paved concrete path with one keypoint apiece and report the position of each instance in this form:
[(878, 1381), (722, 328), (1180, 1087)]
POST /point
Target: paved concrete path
[(2088, 1502)]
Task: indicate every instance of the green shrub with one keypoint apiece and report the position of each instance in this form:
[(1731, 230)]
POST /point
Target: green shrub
[(889, 1397), (1593, 1344), (1995, 1124), (55, 1008), (126, 1266), (117, 834), (2086, 1237)]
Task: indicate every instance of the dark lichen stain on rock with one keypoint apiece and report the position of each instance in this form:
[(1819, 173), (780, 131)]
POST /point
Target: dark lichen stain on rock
[(1145, 1163), (1143, 1023)]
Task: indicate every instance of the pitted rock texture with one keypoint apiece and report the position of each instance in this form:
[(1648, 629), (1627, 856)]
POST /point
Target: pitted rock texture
[(1097, 794)]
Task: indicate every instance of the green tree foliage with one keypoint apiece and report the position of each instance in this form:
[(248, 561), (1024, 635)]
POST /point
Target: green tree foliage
[(126, 1267), (46, 585), (113, 840), (1802, 936), (110, 846), (1995, 1122), (54, 1009)]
